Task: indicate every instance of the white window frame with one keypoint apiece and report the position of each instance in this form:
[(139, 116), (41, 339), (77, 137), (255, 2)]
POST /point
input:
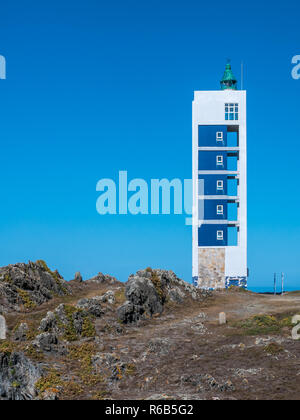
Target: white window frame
[(219, 136), (232, 110), (220, 235), (220, 160), (220, 185), (220, 209)]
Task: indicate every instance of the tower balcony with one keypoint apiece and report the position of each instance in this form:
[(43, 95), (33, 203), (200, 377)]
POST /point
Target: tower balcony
[(218, 148), (219, 172), (219, 222), (230, 198)]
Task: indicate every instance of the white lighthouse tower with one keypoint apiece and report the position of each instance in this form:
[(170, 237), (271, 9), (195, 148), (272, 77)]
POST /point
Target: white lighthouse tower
[(220, 186)]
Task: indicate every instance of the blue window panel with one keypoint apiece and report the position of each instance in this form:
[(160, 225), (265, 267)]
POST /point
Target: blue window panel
[(210, 184), (210, 209), (207, 135), (208, 161), (207, 235)]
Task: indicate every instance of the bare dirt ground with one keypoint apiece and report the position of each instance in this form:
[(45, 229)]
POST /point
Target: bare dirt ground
[(242, 305), (242, 366)]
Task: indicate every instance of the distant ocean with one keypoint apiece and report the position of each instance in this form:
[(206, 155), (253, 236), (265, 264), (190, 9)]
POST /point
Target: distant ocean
[(271, 289)]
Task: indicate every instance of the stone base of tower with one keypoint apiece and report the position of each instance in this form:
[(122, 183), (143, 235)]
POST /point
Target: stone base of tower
[(211, 271), (211, 268)]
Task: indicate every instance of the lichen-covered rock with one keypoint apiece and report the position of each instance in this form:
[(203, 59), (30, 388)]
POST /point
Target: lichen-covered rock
[(128, 313), (102, 278), (207, 382), (92, 306), (176, 294), (49, 323), (195, 379), (225, 386), (143, 300), (18, 376), (101, 360), (46, 342), (20, 333), (68, 322), (141, 292), (160, 346), (110, 365), (108, 297), (29, 285), (148, 291), (172, 283)]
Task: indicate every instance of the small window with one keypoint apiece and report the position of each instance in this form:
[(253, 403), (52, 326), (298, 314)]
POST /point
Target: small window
[(220, 185), (231, 112), (220, 210), (220, 136), (220, 235), (220, 160)]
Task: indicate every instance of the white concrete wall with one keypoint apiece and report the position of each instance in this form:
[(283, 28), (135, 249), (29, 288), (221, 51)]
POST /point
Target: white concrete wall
[(209, 109)]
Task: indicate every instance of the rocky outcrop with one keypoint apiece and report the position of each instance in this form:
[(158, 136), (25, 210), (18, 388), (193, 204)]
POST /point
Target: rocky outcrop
[(108, 297), (49, 323), (78, 277), (49, 343), (79, 348), (92, 306), (129, 313), (68, 323), (148, 290), (143, 300), (21, 332), (102, 278), (29, 285), (18, 376)]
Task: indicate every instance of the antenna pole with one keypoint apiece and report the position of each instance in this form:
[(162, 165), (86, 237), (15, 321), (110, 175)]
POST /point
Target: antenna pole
[(275, 284), (282, 283), (242, 75)]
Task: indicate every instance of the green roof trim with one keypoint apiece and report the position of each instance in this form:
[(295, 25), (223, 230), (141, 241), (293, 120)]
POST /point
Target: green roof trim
[(228, 81)]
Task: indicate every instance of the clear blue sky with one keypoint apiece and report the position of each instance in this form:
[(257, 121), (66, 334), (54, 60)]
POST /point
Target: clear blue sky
[(96, 87)]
